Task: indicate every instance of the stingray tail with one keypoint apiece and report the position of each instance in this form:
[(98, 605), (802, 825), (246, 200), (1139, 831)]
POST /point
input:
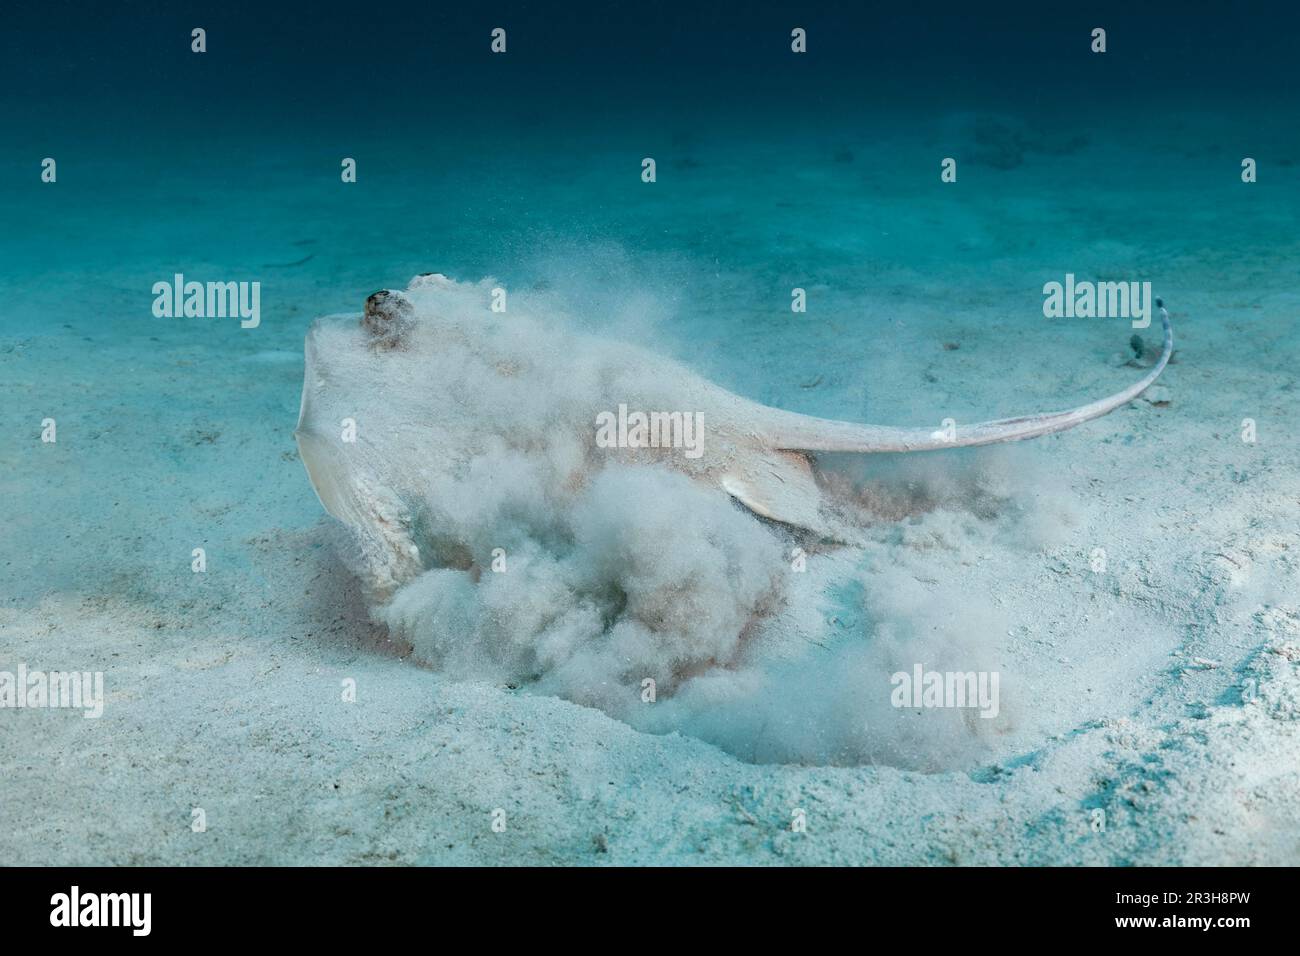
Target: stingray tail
[(795, 432)]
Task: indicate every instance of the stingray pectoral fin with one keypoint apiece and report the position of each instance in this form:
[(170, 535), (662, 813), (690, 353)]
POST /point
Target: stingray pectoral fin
[(805, 433), (329, 479), (778, 485), (386, 550)]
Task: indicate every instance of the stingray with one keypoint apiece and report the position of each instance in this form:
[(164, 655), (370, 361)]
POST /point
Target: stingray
[(431, 383)]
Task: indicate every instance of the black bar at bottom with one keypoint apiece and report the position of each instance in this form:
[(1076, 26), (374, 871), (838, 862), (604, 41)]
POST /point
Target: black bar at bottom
[(333, 906)]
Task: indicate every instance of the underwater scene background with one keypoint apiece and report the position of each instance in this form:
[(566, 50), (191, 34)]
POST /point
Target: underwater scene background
[(1157, 684)]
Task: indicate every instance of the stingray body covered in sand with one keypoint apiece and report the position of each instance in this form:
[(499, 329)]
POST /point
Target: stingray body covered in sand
[(457, 442)]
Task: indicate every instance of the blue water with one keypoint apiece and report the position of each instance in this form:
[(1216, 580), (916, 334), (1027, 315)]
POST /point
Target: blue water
[(772, 166)]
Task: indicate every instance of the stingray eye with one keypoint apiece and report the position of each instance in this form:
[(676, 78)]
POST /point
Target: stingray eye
[(389, 316)]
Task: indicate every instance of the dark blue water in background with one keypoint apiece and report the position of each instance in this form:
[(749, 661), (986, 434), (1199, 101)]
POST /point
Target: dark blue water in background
[(126, 69), (413, 92)]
